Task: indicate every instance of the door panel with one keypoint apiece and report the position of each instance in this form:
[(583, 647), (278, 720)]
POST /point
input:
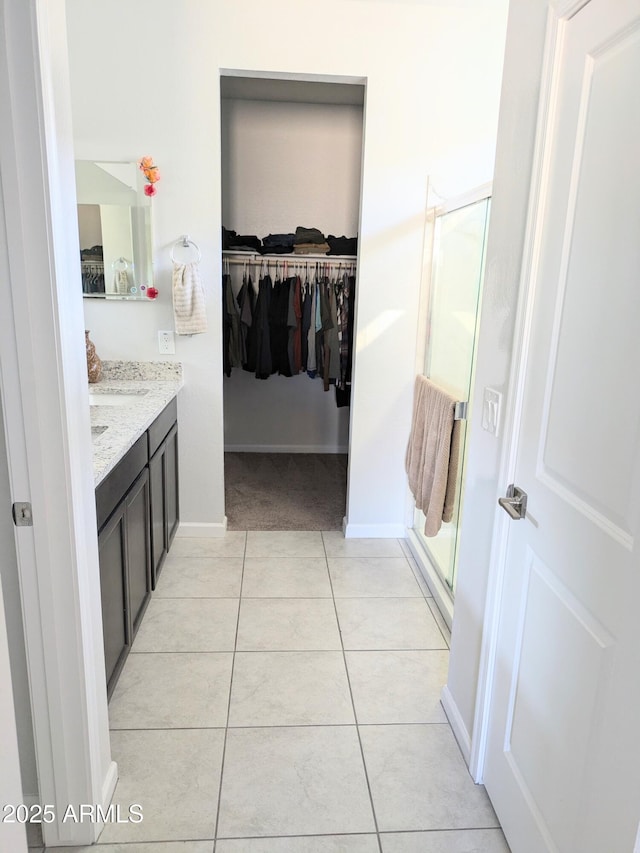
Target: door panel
[(558, 763), (138, 549)]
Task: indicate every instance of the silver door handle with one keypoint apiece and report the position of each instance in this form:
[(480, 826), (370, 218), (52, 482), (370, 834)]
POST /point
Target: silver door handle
[(515, 503)]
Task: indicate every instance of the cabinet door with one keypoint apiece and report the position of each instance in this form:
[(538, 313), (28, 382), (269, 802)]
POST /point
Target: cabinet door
[(115, 624), (138, 548), (158, 523), (171, 484)]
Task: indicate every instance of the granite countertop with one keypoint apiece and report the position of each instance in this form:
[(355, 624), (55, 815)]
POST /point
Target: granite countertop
[(146, 388)]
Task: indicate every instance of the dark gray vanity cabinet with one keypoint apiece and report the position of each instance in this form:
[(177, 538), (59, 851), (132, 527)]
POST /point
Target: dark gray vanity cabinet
[(124, 547), (163, 473), (137, 512), (113, 584)]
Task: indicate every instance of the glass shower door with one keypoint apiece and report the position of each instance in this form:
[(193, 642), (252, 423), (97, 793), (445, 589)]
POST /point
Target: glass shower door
[(459, 244)]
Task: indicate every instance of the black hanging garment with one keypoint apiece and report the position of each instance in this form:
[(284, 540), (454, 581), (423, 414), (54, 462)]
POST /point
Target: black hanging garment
[(279, 328), (246, 307), (346, 302), (264, 365)]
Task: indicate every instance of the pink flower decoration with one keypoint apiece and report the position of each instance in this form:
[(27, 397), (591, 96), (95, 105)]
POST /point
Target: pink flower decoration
[(151, 174)]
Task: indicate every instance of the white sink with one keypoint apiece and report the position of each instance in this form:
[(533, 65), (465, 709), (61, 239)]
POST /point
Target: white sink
[(114, 398)]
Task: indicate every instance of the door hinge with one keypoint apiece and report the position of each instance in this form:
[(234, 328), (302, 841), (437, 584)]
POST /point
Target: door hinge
[(22, 515)]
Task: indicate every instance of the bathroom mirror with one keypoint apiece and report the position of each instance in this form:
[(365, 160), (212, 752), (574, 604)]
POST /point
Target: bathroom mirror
[(114, 224)]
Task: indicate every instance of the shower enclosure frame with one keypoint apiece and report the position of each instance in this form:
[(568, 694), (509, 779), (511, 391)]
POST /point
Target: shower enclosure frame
[(441, 580)]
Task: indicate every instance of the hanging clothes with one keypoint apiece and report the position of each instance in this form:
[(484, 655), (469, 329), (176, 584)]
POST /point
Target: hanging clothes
[(279, 327), (264, 364), (346, 303), (233, 337), (246, 306), (293, 325), (306, 325)]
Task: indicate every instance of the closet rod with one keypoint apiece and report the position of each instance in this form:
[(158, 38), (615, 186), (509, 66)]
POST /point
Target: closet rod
[(288, 257)]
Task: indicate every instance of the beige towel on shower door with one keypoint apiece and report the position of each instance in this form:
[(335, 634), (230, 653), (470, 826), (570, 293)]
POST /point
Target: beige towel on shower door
[(188, 300), (433, 453)]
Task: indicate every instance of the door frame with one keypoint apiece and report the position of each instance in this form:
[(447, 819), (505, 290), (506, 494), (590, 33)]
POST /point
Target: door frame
[(343, 80), (45, 403), (558, 14)]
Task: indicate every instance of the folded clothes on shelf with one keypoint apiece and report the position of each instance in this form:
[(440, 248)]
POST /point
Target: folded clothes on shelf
[(308, 235), (342, 245), (246, 242), (278, 240), (311, 248)]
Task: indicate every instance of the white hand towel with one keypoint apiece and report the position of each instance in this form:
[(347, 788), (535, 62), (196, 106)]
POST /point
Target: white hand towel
[(433, 453), (188, 300)]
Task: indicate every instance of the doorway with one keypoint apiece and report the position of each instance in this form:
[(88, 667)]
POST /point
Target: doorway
[(291, 176)]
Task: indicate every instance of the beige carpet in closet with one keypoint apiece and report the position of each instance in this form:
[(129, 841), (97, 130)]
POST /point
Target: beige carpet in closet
[(285, 491)]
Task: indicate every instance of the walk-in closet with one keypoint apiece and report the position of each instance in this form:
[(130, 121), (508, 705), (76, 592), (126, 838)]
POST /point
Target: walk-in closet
[(291, 173)]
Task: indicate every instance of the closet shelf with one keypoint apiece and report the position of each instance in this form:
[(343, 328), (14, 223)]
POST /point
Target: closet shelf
[(289, 257)]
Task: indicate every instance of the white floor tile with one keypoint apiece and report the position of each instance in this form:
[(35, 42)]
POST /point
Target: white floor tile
[(293, 781), (286, 577), (188, 625), (287, 543), (337, 546), (290, 689), (398, 686), (456, 841), (372, 577), (302, 844), (174, 776), (288, 624), (163, 691), (419, 780), (230, 545), (200, 577), (388, 623)]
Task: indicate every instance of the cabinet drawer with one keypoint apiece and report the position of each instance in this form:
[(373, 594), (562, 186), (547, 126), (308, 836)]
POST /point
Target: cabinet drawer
[(161, 426), (110, 491)]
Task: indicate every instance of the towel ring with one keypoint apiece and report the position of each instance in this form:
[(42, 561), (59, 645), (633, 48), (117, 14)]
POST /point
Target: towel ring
[(185, 243), (120, 265)]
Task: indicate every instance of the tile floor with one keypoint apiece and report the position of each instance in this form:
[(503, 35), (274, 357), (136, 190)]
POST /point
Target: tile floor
[(282, 696)]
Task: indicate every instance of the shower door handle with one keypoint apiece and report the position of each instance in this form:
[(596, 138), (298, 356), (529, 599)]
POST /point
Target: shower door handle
[(515, 503)]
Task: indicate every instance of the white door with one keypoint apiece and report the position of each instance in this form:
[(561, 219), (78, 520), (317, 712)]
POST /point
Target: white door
[(563, 763)]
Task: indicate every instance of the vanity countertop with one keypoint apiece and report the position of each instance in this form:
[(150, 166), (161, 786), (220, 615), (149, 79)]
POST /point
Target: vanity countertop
[(116, 426)]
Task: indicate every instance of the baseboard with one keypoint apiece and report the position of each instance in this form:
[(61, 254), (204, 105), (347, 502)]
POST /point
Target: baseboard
[(109, 785), (196, 530), (457, 723), (373, 531), (286, 448)]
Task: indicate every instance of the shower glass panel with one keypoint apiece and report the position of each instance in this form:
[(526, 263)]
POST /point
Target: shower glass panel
[(459, 248)]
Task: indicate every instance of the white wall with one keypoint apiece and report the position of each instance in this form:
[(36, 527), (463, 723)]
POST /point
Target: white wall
[(290, 164), (283, 165), (432, 75), (15, 629), (514, 157)]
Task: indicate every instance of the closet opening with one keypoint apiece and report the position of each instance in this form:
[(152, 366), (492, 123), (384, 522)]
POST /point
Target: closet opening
[(291, 177)]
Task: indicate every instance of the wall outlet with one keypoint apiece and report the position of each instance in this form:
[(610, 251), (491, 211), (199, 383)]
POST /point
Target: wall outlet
[(166, 343), (491, 406)]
